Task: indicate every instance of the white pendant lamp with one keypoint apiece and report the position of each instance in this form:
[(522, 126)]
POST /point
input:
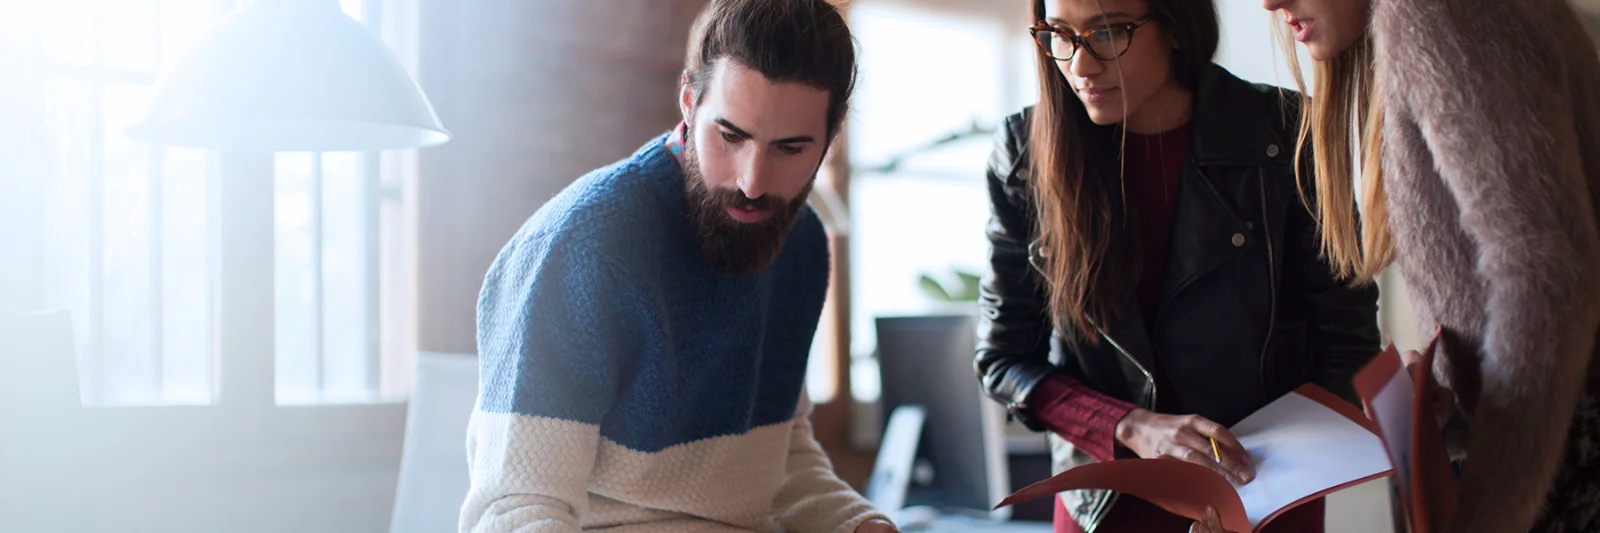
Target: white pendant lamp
[(289, 75)]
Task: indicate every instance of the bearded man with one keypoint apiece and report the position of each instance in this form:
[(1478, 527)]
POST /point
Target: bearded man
[(644, 336)]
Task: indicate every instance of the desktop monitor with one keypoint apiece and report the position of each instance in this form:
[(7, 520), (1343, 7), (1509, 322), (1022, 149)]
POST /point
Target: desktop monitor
[(926, 361)]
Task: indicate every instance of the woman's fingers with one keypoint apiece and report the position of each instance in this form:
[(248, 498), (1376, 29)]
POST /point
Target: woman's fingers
[(1233, 454), (1409, 358), (1209, 523), (1442, 400), (1203, 458), (1191, 439), (1225, 438)]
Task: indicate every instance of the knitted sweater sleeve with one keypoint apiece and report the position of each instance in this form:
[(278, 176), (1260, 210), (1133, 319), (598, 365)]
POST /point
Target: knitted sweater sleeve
[(813, 499), (1079, 414), (551, 361)]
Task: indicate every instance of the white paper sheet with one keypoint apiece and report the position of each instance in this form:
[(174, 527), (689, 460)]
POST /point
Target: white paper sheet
[(1392, 411), (1300, 447)]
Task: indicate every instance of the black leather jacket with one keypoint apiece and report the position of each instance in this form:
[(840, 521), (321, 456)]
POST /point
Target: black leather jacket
[(1248, 310)]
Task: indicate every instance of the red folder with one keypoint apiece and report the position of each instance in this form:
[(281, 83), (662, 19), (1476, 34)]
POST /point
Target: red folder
[(1186, 489)]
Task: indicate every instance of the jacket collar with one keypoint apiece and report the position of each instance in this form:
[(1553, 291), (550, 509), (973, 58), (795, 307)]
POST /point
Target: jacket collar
[(1235, 128)]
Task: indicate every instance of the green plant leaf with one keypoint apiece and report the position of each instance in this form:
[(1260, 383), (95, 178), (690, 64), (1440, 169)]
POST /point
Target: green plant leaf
[(933, 289), (970, 285)]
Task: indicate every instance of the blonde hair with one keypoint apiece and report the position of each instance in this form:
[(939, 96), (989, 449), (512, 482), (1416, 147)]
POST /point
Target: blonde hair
[(1356, 242)]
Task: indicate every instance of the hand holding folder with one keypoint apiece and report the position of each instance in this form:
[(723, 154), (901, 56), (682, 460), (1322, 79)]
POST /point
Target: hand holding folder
[(1400, 398), (1303, 446), (1190, 438)]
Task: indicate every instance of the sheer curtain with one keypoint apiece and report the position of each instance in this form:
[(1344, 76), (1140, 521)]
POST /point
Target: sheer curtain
[(20, 270), (113, 231), (22, 275), (123, 234)]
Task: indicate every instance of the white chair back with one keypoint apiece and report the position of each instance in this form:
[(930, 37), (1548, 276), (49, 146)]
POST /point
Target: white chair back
[(433, 463)]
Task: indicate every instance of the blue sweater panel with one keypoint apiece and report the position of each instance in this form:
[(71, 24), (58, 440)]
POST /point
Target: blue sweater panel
[(603, 310)]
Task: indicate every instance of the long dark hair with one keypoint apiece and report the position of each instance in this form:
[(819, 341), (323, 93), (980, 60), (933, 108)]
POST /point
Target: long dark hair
[(1085, 253)]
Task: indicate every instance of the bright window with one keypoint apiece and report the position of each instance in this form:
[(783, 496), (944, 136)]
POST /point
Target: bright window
[(121, 231), (124, 235), (933, 86), (345, 310)]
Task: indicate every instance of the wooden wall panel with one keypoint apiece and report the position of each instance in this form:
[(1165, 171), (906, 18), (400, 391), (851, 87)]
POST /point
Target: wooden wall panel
[(536, 93)]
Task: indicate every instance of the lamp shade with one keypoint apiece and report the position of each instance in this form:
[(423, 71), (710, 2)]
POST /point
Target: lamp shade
[(289, 75)]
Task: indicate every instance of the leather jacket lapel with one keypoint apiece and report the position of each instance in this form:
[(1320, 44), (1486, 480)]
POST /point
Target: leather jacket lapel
[(1206, 233)]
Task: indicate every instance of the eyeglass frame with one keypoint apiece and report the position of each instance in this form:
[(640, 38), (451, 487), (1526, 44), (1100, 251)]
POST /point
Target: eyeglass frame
[(1078, 40)]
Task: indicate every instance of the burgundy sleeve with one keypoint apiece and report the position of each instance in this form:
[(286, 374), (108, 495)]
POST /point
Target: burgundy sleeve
[(1083, 416)]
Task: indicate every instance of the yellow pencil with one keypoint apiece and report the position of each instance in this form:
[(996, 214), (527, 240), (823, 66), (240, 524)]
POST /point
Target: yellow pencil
[(1215, 453)]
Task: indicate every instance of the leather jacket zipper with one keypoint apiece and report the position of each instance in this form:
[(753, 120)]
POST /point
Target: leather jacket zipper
[(1036, 249), (1272, 282), (1149, 379), (1150, 383)]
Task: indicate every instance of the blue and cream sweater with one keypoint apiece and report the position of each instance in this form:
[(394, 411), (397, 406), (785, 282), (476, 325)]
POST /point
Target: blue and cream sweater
[(627, 384)]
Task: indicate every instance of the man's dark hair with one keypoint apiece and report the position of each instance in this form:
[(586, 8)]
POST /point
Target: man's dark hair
[(793, 41)]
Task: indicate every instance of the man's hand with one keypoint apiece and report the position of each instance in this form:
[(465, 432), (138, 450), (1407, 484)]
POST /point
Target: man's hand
[(1185, 437), (876, 525)]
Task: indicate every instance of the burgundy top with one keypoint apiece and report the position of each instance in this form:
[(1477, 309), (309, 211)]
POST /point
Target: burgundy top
[(1153, 165)]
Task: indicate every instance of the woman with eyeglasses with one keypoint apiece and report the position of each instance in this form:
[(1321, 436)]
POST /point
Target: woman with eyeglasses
[(1155, 276), (1479, 126)]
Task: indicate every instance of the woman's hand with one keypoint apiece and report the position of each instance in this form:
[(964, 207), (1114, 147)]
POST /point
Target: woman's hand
[(876, 525), (1210, 523), (1185, 437), (1443, 400)]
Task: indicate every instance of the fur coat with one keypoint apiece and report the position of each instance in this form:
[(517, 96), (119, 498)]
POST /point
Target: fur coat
[(1492, 167)]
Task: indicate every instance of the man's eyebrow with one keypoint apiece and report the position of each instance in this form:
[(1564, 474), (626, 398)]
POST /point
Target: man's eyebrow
[(736, 130), (786, 140)]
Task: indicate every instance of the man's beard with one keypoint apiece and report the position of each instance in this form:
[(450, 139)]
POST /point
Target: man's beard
[(733, 247)]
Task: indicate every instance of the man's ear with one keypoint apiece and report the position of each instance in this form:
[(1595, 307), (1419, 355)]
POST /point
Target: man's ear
[(685, 96)]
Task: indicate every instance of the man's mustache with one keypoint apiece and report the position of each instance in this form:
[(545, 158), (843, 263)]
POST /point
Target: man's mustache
[(737, 198)]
